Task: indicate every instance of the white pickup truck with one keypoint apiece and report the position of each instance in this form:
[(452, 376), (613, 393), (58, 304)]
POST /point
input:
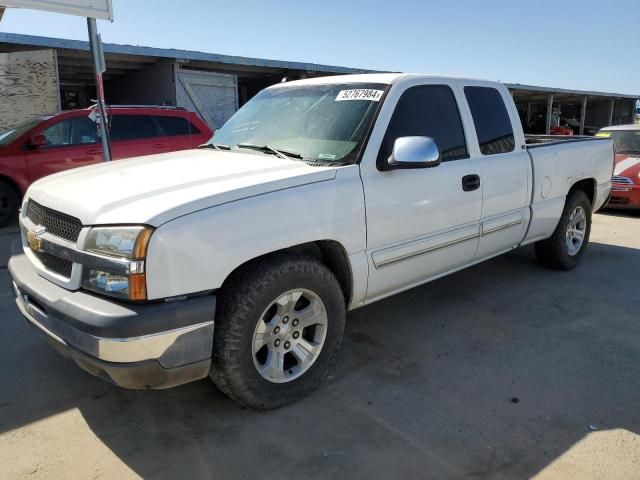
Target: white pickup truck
[(239, 260)]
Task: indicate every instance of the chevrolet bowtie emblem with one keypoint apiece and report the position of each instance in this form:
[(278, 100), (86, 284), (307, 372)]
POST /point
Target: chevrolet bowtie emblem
[(34, 240)]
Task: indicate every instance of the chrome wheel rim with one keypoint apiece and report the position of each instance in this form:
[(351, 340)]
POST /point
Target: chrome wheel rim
[(576, 230), (289, 336)]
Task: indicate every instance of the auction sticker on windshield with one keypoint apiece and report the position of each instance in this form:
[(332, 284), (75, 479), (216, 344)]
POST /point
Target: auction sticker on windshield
[(360, 94)]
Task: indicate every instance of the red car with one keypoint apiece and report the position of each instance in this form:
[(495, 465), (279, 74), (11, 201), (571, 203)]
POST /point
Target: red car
[(625, 190), (44, 145)]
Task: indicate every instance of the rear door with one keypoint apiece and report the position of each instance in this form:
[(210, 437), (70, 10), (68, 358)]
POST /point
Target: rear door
[(420, 222), (505, 168), (134, 135), (71, 143)]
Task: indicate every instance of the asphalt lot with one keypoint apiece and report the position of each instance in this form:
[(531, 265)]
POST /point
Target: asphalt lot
[(504, 370)]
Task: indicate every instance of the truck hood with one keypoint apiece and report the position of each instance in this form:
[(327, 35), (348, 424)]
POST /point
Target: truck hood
[(155, 189)]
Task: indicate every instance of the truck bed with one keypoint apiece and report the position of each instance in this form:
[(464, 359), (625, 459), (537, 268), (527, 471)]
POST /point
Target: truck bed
[(559, 162)]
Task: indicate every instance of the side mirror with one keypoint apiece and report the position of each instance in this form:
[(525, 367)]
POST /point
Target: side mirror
[(414, 152), (37, 141)]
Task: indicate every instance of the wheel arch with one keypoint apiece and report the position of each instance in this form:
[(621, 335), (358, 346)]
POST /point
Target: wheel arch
[(329, 252), (588, 186), (13, 184)]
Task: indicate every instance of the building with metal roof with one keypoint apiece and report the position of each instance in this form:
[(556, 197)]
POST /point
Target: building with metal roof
[(216, 85)]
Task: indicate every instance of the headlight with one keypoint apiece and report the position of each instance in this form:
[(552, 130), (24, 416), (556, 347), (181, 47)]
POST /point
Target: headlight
[(125, 242), (124, 276)]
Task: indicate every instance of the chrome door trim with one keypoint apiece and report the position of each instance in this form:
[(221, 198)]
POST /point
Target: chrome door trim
[(501, 223), (422, 246)]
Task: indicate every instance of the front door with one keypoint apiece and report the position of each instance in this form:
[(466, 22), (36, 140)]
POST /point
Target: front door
[(70, 143), (421, 223)]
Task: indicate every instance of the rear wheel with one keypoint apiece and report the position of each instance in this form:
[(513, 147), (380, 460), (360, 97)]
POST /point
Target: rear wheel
[(9, 202), (279, 324), (565, 247)]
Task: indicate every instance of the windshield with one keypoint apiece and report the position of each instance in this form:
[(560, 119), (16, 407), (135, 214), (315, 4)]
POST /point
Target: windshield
[(8, 136), (624, 141), (320, 123)]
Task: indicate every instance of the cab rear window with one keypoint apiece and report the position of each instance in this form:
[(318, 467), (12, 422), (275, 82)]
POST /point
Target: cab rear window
[(491, 119)]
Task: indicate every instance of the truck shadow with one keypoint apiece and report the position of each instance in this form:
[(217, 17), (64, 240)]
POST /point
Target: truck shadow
[(620, 213), (492, 372)]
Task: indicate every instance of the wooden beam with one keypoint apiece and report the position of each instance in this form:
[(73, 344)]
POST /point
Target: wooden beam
[(547, 127), (120, 57), (80, 62), (583, 114), (612, 106), (66, 70)]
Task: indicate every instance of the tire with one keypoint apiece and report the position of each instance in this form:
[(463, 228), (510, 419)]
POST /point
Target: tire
[(556, 251), (9, 203), (244, 363)]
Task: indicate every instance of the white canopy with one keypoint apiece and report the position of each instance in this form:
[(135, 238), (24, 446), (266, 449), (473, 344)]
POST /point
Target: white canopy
[(101, 9)]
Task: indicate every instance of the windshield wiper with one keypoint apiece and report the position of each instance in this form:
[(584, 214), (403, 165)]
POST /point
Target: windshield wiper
[(215, 146), (272, 151)]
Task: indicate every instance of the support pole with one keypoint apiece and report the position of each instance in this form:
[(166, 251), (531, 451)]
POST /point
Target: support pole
[(612, 106), (98, 68), (583, 114), (547, 128)]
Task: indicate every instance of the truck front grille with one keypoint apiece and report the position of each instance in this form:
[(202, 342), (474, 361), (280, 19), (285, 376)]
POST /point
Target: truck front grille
[(56, 223), (55, 264)]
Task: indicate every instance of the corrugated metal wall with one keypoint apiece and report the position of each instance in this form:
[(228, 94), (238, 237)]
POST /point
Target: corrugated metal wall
[(212, 95)]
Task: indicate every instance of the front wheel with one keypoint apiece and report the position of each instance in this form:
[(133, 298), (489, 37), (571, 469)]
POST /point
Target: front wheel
[(280, 322), (565, 247)]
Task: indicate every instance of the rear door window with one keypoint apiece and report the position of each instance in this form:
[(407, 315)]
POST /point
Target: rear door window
[(427, 111), (175, 126), (491, 119), (132, 127)]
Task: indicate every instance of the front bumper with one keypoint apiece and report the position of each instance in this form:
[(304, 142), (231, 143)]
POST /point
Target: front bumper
[(624, 196), (157, 345)]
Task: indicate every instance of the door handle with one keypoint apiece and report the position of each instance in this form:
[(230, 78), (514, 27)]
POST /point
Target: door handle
[(470, 182), (95, 151), (161, 145)]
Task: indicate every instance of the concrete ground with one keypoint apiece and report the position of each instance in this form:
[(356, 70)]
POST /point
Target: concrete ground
[(505, 370)]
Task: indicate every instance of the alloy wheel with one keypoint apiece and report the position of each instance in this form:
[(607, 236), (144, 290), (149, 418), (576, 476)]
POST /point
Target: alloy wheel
[(576, 230), (289, 336)]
